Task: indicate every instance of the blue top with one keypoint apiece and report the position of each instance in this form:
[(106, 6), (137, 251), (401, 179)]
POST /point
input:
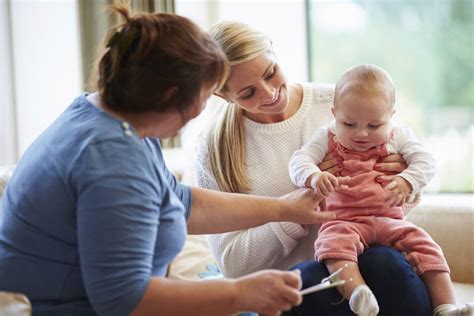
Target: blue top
[(90, 214)]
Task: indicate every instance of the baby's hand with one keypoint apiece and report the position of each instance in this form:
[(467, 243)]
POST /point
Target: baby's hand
[(323, 183), (398, 189)]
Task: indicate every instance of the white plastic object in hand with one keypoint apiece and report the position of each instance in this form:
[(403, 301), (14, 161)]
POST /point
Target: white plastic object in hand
[(331, 281)]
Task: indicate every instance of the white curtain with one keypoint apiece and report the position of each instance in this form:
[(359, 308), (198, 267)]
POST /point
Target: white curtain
[(94, 22), (8, 131)]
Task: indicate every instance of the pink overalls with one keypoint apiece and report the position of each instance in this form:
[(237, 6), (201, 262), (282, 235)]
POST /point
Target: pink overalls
[(364, 219)]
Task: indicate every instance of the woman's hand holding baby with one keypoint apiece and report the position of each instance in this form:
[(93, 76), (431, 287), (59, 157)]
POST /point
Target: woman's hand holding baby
[(330, 164), (398, 188), (391, 164)]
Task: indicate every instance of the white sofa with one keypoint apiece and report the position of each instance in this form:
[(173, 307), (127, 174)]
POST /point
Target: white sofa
[(449, 219)]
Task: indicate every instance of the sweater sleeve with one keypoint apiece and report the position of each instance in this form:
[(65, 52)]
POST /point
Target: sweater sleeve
[(304, 162), (242, 252), (117, 223), (421, 164)]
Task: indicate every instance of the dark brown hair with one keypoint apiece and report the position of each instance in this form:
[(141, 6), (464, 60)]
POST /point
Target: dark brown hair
[(157, 62)]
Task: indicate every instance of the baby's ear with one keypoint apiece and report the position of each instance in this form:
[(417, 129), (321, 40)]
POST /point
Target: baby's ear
[(393, 112)]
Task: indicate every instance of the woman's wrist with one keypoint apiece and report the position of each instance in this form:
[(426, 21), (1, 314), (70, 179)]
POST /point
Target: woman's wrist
[(300, 207), (233, 290)]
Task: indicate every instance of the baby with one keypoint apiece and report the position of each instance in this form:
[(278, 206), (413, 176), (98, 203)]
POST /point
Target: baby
[(367, 212)]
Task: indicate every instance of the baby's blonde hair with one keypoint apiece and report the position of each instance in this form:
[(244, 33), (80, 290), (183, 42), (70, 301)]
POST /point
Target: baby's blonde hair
[(240, 43), (367, 80)]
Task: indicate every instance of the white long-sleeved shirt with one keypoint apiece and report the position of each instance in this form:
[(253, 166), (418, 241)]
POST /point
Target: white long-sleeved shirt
[(268, 148), (421, 164)]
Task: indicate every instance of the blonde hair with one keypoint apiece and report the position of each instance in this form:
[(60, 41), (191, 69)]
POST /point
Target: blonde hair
[(366, 79), (240, 43)]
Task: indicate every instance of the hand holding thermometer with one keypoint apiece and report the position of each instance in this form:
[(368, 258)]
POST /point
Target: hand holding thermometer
[(331, 281)]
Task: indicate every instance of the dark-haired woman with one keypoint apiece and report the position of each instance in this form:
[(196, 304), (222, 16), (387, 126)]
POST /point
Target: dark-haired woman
[(92, 216)]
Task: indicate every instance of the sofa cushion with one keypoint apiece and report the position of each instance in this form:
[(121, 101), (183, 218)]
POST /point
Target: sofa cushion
[(5, 174), (464, 293), (194, 262), (449, 219)]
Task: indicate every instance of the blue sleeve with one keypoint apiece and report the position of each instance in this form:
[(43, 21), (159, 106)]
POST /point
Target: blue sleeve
[(117, 223), (183, 192)]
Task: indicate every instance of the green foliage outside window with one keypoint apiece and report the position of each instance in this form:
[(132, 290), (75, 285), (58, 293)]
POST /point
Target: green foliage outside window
[(427, 47)]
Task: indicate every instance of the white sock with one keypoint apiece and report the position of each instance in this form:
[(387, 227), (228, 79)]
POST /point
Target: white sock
[(441, 310), (452, 310), (363, 301)]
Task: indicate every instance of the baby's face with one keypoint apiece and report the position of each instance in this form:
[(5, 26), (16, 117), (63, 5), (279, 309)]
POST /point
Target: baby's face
[(363, 122)]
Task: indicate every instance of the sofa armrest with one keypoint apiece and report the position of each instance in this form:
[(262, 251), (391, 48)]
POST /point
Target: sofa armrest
[(449, 219), (5, 174)]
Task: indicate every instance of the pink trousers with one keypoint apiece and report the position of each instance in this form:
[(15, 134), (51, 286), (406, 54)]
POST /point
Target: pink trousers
[(345, 240)]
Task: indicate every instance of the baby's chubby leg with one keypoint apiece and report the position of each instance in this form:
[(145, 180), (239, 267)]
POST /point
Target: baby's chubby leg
[(349, 272), (361, 299), (440, 287), (442, 295), (427, 257)]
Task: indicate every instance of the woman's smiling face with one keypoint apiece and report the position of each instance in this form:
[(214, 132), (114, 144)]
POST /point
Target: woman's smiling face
[(259, 87)]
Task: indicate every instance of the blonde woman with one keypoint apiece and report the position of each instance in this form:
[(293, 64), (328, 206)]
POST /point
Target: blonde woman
[(265, 120)]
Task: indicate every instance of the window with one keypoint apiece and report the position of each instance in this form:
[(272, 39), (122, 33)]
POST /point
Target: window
[(40, 69), (282, 21), (427, 47)]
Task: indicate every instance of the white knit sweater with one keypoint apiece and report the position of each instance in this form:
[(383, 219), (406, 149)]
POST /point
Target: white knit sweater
[(268, 150)]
